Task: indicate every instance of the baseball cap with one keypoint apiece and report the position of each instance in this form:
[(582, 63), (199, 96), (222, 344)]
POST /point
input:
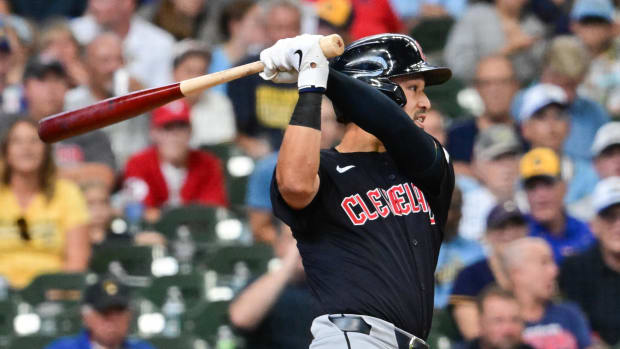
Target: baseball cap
[(540, 96), (177, 111), (107, 293), (495, 141), (540, 162), (39, 66), (606, 194), (593, 8), (606, 136), (187, 47), (504, 212), (337, 14)]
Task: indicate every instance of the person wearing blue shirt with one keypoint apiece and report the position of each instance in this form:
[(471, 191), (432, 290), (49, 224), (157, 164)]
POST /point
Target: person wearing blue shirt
[(420, 8), (455, 254), (565, 64), (257, 199), (530, 267), (541, 176), (107, 319)]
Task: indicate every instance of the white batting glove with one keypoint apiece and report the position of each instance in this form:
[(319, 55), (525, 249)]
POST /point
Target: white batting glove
[(302, 54)]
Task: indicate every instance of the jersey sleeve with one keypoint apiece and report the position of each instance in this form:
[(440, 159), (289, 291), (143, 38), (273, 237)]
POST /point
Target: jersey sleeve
[(299, 220)]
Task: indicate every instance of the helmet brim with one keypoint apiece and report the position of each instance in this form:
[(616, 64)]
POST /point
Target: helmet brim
[(432, 75)]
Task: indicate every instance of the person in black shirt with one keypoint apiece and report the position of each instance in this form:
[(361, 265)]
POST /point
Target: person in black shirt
[(592, 278), (368, 214)]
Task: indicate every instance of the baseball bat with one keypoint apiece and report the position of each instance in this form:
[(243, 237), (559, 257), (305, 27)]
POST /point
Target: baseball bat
[(116, 109)]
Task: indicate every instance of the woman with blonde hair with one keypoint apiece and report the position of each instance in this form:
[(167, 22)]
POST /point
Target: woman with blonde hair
[(42, 218)]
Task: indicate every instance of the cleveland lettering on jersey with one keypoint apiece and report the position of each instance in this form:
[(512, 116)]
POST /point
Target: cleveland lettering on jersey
[(399, 200)]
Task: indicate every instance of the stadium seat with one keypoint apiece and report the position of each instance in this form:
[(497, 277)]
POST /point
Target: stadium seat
[(192, 288), (200, 220), (31, 342), (7, 312), (204, 321), (54, 287), (237, 168), (256, 257), (135, 260), (444, 333), (178, 343)]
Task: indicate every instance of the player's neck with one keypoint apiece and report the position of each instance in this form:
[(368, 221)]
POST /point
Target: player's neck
[(357, 140)]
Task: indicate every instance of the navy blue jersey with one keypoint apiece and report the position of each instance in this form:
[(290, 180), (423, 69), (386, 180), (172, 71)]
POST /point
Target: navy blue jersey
[(370, 238)]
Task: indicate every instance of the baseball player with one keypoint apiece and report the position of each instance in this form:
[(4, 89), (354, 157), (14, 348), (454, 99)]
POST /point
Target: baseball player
[(369, 214)]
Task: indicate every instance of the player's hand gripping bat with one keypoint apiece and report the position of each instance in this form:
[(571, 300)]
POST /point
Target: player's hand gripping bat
[(112, 110)]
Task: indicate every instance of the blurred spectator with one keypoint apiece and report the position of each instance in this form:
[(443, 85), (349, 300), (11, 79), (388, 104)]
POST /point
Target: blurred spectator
[(257, 196), (147, 48), (38, 234), (545, 123), (504, 30), (565, 64), (501, 324), (171, 172), (79, 158), (10, 93), (335, 17), (592, 278), (496, 161), (57, 42), (606, 160), (532, 272), (416, 9), (374, 17), (505, 223), (434, 125), (212, 115), (456, 252), (182, 18), (97, 196), (108, 77), (496, 84), (541, 176), (593, 23), (264, 108), (107, 318), (277, 300), (554, 13), (40, 10), (241, 24)]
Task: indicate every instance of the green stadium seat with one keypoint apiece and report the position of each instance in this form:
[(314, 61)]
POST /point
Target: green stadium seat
[(192, 288), (205, 320), (7, 312), (201, 221), (223, 260), (54, 287), (444, 332), (184, 342), (31, 342), (135, 260)]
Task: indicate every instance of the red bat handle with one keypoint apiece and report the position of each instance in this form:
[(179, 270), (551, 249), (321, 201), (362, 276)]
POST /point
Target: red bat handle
[(112, 110)]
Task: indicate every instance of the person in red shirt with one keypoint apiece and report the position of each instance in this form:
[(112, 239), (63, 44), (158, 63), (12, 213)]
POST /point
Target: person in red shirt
[(170, 173)]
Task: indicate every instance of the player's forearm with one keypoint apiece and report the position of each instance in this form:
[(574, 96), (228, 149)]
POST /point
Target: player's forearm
[(298, 160), (412, 148), (250, 308)]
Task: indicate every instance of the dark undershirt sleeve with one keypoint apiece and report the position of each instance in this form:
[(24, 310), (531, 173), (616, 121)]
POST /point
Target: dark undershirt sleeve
[(415, 152)]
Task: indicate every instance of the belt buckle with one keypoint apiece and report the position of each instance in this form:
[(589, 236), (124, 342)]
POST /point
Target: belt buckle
[(417, 343)]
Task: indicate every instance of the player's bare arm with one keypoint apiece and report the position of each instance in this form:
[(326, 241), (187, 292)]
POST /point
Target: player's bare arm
[(299, 59)]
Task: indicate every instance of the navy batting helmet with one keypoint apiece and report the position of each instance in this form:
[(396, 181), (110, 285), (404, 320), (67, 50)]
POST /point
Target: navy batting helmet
[(378, 58)]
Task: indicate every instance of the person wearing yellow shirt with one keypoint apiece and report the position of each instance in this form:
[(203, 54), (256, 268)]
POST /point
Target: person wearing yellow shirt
[(42, 219)]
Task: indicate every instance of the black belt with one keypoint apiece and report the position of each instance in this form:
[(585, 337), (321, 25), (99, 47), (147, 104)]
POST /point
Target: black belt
[(348, 323)]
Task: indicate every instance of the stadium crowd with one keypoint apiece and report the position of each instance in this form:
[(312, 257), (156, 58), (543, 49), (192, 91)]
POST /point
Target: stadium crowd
[(157, 232)]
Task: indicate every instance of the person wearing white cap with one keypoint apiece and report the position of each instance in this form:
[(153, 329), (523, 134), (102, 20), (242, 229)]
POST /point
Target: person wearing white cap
[(606, 161), (565, 64), (545, 123), (592, 278)]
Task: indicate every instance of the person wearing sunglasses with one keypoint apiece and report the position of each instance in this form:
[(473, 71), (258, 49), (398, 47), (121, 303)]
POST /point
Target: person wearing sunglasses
[(42, 218)]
